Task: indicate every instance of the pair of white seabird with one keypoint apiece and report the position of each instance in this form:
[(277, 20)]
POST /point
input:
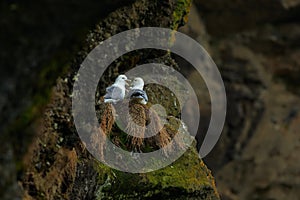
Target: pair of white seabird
[(117, 91)]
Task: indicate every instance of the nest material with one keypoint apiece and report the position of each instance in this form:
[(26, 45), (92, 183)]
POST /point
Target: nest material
[(99, 134), (136, 124), (134, 118)]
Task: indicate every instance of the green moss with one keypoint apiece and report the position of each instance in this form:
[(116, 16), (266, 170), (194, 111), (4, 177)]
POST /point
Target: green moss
[(103, 171), (180, 13), (188, 176), (160, 95), (187, 173)]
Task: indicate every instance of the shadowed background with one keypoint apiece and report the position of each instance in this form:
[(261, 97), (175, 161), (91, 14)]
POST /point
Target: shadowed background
[(255, 45)]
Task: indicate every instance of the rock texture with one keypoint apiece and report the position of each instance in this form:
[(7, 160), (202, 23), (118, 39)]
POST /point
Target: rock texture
[(255, 45), (53, 163), (39, 45)]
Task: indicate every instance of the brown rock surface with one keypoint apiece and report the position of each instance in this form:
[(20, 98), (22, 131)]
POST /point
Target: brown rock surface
[(53, 163), (256, 47)]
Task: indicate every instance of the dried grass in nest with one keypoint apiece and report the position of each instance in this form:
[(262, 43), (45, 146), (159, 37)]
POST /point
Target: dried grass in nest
[(107, 118), (100, 134), (136, 118), (136, 124)]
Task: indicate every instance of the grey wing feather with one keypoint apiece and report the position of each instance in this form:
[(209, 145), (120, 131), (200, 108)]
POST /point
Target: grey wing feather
[(110, 88), (145, 96), (136, 93), (114, 92)]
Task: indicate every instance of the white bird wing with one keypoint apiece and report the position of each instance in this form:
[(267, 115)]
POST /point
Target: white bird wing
[(114, 92)]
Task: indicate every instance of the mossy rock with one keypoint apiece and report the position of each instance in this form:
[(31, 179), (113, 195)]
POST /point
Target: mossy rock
[(186, 178)]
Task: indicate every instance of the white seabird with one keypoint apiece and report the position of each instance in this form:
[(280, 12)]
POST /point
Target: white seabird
[(116, 91), (136, 90)]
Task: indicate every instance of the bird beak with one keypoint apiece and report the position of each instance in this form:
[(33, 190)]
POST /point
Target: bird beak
[(127, 82)]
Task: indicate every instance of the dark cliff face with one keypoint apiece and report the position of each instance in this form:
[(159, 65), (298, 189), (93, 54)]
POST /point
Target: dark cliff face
[(38, 39), (50, 162), (256, 46), (222, 18)]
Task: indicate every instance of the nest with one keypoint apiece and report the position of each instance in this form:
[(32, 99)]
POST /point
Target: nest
[(126, 123)]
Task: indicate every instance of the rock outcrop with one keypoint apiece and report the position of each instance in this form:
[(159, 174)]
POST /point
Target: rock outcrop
[(54, 163)]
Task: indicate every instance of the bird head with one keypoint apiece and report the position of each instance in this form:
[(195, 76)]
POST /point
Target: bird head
[(137, 83), (122, 79)]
